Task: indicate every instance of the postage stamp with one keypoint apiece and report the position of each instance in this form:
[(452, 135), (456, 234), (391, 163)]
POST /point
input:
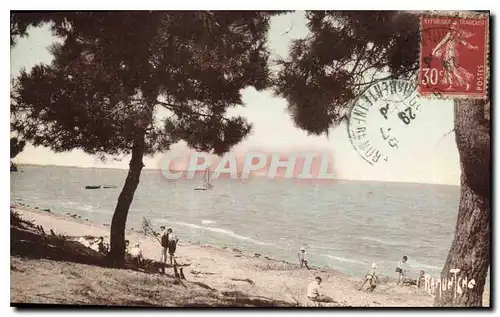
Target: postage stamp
[(379, 120), (454, 56)]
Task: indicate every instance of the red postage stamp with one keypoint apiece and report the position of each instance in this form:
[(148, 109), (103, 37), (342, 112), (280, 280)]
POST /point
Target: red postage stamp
[(454, 57)]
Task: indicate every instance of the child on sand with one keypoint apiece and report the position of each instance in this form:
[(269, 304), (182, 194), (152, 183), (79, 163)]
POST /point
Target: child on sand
[(303, 258), (421, 279), (314, 292), (402, 269), (371, 277)]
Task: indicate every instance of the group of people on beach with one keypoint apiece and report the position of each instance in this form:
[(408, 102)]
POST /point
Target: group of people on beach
[(168, 243), (314, 291), (403, 274), (134, 253), (315, 294), (403, 278)]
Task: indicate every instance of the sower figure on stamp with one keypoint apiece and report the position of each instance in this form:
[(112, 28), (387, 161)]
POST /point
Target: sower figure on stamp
[(454, 74)]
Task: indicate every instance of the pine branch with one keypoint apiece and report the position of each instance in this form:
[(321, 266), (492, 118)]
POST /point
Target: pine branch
[(189, 112)]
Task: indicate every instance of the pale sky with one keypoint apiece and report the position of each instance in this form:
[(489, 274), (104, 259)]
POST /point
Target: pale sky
[(427, 155)]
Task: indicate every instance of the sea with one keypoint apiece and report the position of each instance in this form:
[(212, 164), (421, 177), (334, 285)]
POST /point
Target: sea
[(344, 224)]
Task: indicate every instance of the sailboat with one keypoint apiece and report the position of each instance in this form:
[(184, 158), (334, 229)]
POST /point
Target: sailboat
[(206, 185)]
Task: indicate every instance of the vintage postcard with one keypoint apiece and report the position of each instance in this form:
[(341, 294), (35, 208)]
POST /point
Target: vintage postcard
[(319, 159)]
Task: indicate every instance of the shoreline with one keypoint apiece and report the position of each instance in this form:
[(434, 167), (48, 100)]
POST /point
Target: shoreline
[(137, 235), (135, 232), (290, 256), (28, 212), (231, 270)]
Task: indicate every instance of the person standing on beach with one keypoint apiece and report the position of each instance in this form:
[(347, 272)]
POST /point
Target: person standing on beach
[(172, 244), (164, 245), (314, 292), (303, 258), (402, 269)]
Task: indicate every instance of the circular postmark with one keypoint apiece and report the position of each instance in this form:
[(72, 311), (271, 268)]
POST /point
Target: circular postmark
[(382, 117)]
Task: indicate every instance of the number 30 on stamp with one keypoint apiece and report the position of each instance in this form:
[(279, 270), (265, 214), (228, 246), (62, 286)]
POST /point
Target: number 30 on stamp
[(454, 57)]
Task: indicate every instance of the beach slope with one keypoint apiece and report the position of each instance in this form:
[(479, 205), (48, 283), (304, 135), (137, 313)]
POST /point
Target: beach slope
[(214, 276)]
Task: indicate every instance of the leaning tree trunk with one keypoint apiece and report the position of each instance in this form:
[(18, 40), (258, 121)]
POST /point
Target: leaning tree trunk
[(117, 241), (470, 250)]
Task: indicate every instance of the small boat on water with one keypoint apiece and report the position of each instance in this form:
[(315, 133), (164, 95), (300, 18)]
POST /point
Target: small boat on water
[(99, 186), (92, 186), (206, 185)]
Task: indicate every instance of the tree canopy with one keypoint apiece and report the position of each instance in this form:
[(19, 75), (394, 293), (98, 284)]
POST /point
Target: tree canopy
[(113, 69), (16, 146), (345, 53)]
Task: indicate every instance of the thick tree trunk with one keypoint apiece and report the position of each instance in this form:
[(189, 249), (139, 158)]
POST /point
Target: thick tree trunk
[(119, 221), (470, 250)]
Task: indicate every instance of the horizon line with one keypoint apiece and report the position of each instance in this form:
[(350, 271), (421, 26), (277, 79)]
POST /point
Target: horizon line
[(256, 175)]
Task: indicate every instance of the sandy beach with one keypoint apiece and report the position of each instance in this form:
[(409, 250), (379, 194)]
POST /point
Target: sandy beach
[(264, 138), (222, 270)]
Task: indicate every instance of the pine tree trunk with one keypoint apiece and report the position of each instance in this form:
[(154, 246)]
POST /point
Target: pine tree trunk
[(119, 221), (470, 250)]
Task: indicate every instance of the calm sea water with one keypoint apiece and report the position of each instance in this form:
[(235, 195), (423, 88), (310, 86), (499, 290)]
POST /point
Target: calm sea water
[(345, 225)]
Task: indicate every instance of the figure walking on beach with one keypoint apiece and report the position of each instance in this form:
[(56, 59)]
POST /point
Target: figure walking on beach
[(303, 258), (402, 269), (454, 74), (172, 244)]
